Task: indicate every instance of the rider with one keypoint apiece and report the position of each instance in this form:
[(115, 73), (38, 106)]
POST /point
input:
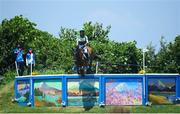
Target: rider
[(82, 42)]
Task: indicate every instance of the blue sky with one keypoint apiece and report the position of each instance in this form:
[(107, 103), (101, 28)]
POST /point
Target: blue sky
[(142, 20)]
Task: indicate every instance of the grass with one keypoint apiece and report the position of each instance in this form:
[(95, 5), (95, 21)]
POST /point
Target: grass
[(156, 109), (6, 106)]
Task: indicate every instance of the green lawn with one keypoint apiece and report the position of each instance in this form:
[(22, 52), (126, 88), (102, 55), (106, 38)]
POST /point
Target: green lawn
[(6, 94)]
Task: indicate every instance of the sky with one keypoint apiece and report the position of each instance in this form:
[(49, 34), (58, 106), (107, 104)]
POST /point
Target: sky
[(51, 83), (144, 21)]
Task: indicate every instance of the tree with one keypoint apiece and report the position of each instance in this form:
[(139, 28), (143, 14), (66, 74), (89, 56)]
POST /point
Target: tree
[(17, 30), (96, 31), (56, 53), (175, 54), (150, 58), (167, 58)]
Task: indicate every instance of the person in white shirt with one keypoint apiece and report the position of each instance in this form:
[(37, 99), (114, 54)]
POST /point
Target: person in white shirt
[(30, 61), (82, 42)]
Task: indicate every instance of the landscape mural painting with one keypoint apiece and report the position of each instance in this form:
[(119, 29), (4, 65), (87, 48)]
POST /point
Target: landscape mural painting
[(83, 92), (162, 90), (48, 92), (23, 91), (123, 92)]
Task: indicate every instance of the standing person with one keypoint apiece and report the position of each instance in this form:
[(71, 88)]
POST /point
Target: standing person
[(30, 61), (19, 60)]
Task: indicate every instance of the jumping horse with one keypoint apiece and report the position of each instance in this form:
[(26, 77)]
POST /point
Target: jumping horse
[(84, 60)]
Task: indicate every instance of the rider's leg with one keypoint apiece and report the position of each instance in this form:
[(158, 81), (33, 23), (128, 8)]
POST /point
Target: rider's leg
[(85, 49)]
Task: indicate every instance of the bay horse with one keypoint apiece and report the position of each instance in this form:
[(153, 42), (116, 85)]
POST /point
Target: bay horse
[(84, 60)]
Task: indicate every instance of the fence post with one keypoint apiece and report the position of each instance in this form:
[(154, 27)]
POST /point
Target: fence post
[(31, 99), (178, 86), (64, 91), (102, 91), (145, 91)]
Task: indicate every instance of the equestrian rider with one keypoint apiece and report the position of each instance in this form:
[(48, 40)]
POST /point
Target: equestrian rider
[(82, 42)]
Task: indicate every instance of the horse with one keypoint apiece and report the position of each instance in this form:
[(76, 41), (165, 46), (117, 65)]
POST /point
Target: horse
[(84, 60)]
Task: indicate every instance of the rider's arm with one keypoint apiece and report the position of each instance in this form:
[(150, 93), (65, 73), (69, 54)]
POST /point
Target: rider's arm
[(87, 41), (77, 41)]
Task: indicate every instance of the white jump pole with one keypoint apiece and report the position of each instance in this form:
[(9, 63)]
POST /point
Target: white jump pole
[(97, 64), (16, 68)]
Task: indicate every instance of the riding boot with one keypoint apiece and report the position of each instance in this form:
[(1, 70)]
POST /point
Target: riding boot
[(87, 55)]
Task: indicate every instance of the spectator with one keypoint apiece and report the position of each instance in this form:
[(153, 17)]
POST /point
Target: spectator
[(30, 61), (19, 60)]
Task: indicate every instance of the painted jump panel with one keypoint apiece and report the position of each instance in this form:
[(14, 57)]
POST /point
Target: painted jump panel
[(162, 89), (97, 89), (124, 91), (22, 91)]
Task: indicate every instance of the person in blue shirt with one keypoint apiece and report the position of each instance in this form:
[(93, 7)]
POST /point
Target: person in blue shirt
[(19, 60), (30, 61)]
